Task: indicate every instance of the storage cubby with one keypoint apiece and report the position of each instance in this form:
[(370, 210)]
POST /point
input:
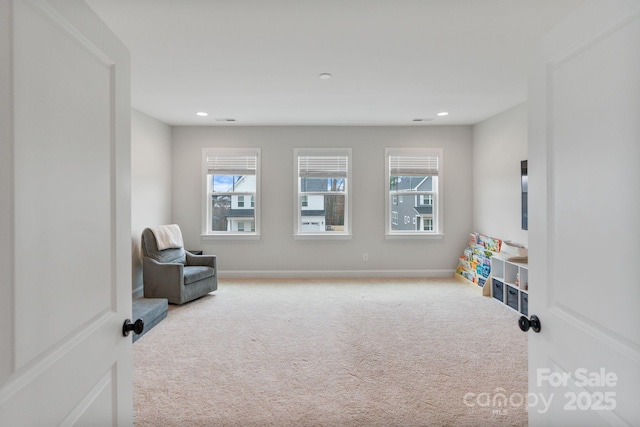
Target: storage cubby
[(498, 270), (510, 283)]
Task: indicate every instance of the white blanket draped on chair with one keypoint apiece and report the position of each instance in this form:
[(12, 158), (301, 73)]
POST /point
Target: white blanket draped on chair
[(168, 236)]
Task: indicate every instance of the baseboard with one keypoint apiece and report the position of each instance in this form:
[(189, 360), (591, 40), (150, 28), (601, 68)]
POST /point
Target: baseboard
[(320, 274), (305, 274)]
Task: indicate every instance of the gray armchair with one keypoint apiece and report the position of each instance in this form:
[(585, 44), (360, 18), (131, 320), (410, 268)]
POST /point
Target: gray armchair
[(174, 273)]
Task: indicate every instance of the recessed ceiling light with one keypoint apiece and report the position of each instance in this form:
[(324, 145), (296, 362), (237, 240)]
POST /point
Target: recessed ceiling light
[(442, 114), (325, 76), (201, 114)]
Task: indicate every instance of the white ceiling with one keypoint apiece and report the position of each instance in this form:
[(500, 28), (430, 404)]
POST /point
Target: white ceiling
[(392, 61)]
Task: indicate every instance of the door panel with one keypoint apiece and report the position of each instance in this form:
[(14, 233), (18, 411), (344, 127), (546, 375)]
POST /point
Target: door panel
[(61, 384), (97, 406), (63, 168), (584, 205), (68, 279), (595, 162)]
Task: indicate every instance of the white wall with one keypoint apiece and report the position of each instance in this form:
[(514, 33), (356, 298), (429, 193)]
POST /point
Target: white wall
[(277, 253), (150, 182), (499, 144)]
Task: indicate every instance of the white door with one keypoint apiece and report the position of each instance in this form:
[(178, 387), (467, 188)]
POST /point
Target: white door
[(64, 219), (584, 235)]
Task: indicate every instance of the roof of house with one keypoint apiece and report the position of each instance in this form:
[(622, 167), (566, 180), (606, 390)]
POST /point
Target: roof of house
[(424, 210), (413, 183), (312, 212), (313, 184), (238, 213)]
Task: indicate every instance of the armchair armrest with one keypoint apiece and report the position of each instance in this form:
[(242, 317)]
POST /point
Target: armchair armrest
[(162, 278), (201, 260)]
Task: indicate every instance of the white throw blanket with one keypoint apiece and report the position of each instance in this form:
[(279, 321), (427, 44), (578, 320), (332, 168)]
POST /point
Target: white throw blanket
[(168, 236)]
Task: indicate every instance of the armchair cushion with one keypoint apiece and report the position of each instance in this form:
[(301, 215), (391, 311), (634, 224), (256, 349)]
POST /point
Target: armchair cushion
[(203, 260), (195, 273)]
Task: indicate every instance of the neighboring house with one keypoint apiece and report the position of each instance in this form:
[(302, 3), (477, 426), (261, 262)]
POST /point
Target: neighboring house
[(411, 211), (313, 213), (241, 216)]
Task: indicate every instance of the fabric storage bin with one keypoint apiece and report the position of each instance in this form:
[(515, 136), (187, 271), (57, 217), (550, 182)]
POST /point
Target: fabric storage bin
[(524, 303), (512, 297), (498, 290)]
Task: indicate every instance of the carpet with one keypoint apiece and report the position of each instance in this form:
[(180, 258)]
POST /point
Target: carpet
[(331, 352)]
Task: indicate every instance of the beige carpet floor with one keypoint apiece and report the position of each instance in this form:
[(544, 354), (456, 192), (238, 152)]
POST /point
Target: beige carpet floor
[(333, 353)]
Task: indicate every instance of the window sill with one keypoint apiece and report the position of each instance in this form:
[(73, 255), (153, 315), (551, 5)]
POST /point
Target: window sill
[(430, 236), (230, 236), (322, 236)]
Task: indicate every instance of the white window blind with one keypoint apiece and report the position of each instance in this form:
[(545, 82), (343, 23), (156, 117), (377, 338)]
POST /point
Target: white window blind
[(423, 165), (322, 166), (232, 164)]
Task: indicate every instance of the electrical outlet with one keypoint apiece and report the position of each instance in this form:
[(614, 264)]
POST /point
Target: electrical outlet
[(365, 256)]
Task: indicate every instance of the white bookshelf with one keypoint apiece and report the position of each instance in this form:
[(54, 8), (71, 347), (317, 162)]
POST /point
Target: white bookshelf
[(510, 283)]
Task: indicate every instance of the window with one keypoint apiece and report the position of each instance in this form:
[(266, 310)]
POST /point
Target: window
[(413, 181), (322, 207), (231, 182), (426, 199)]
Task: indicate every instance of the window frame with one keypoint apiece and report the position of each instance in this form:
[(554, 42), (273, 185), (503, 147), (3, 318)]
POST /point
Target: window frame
[(436, 196), (298, 234), (207, 193)]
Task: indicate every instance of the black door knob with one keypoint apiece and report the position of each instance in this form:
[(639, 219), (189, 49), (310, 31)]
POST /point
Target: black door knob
[(137, 327), (533, 323)]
